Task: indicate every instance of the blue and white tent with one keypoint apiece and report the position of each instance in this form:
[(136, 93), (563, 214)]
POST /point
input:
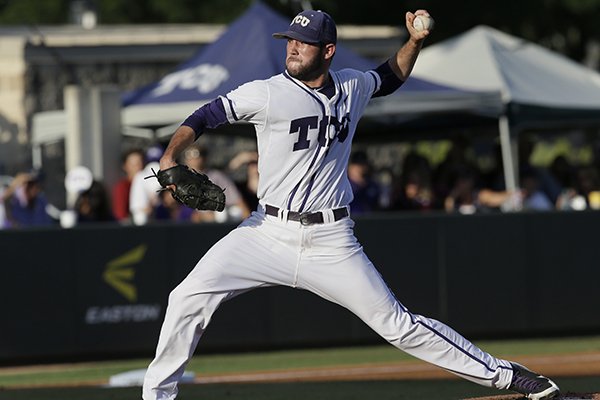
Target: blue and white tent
[(246, 51)]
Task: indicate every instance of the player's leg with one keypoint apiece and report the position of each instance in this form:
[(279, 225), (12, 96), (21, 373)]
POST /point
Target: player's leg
[(345, 276), (188, 314), (243, 260)]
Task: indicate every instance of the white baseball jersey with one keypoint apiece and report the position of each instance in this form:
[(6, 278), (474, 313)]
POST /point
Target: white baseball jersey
[(304, 137)]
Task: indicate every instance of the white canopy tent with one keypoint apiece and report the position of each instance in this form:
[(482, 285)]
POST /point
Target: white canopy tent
[(155, 121), (497, 75), (538, 87), (244, 52)]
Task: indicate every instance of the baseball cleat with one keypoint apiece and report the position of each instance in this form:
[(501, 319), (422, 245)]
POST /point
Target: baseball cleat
[(532, 385)]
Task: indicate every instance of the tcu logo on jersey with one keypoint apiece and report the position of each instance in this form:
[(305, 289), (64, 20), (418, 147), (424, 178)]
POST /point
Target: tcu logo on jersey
[(302, 20), (328, 126)]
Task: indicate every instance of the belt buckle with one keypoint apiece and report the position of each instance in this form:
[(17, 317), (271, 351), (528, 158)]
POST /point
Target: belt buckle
[(304, 219)]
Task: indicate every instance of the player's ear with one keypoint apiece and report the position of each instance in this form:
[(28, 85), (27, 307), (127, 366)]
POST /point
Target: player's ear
[(329, 51)]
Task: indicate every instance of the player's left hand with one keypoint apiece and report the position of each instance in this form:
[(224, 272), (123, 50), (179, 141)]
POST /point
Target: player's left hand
[(414, 34), (191, 188)]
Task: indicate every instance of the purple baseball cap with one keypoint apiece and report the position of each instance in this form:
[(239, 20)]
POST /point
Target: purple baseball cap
[(311, 26)]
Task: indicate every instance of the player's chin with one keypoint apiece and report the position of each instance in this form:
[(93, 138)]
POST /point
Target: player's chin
[(302, 72), (297, 73), (293, 67)]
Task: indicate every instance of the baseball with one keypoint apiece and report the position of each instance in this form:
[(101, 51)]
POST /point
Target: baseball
[(423, 22)]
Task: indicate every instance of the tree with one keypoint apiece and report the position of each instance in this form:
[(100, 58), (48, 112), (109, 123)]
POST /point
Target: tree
[(566, 26), (24, 12)]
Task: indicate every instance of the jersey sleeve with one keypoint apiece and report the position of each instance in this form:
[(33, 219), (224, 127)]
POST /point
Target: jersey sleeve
[(380, 81), (370, 82), (363, 86), (210, 115), (247, 103)]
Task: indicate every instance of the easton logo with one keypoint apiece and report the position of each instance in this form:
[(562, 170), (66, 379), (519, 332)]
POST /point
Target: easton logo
[(120, 272)]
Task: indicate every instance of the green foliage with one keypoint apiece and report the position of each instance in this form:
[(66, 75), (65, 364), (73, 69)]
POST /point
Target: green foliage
[(582, 6), (566, 26), (24, 12), (172, 11)]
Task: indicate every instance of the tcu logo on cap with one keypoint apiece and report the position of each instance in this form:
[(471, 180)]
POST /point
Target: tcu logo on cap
[(302, 20)]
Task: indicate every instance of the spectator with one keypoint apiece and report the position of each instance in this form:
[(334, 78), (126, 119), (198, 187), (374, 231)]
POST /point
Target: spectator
[(414, 193), (143, 196), (548, 184), (92, 205), (562, 171), (588, 181), (168, 209), (533, 197), (466, 198), (132, 163), (577, 197), (196, 157), (414, 162), (248, 187), (365, 189), (415, 189), (25, 202), (3, 187), (386, 181), (446, 172)]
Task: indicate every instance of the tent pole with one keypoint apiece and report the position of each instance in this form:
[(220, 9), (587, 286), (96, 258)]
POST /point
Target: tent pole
[(508, 161), (36, 156)]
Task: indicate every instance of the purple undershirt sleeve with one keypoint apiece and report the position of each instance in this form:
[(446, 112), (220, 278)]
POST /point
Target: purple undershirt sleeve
[(389, 80), (209, 115)]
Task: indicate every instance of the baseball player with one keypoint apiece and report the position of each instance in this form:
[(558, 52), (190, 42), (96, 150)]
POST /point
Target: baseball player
[(302, 235)]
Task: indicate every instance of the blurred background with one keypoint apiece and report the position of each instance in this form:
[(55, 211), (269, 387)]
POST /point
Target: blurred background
[(49, 45), (501, 119)]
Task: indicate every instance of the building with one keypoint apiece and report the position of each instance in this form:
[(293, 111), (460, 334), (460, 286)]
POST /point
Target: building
[(37, 63)]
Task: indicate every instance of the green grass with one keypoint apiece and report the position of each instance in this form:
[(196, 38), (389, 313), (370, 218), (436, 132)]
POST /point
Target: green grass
[(542, 346), (359, 390), (279, 360)]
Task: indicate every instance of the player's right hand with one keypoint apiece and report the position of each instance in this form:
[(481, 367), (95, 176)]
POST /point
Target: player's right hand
[(414, 34)]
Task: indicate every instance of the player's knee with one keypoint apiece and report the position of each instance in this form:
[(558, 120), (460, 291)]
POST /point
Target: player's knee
[(177, 296), (394, 325)]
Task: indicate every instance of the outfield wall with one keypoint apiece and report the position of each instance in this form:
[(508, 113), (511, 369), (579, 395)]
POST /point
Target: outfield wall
[(102, 291)]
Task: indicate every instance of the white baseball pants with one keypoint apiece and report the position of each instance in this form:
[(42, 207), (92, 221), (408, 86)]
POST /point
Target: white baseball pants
[(325, 259)]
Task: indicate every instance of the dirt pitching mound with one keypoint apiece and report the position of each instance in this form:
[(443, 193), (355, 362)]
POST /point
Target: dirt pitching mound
[(565, 396)]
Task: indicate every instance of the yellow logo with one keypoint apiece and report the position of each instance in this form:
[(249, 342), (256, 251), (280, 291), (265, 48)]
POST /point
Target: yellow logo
[(119, 273)]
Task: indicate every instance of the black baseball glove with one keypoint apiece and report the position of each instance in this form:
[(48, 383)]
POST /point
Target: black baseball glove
[(192, 188)]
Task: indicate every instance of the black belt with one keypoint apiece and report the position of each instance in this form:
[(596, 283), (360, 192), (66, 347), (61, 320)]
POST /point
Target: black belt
[(308, 218)]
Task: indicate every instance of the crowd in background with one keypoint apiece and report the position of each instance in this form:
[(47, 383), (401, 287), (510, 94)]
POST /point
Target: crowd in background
[(459, 185), (455, 185)]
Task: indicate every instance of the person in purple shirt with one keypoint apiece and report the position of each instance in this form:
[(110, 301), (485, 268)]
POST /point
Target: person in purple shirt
[(366, 191), (26, 205)]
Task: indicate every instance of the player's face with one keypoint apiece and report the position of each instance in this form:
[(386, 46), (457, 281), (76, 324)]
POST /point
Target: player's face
[(306, 62)]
